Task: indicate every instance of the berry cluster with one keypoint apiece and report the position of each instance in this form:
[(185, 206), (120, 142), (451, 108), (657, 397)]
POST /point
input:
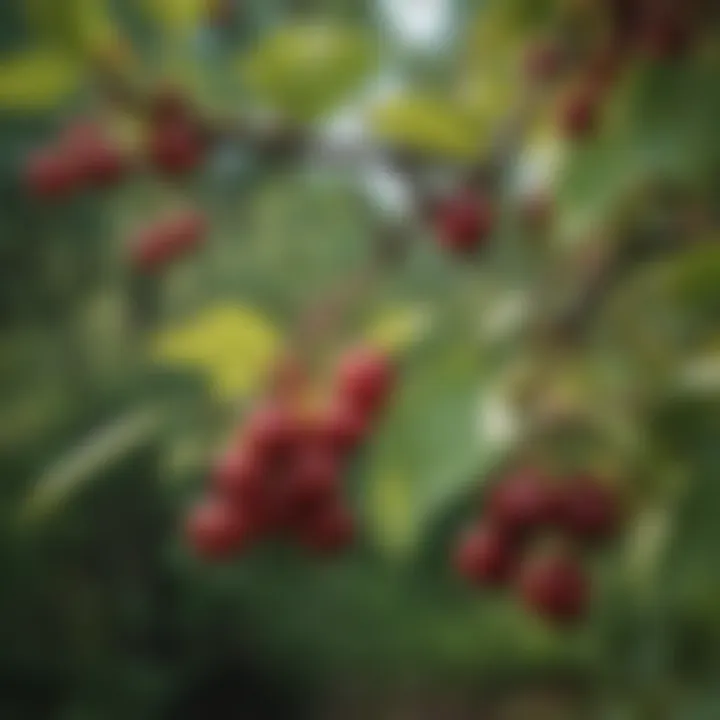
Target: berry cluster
[(168, 239), (282, 477), (83, 157), (177, 143), (658, 30), (521, 509)]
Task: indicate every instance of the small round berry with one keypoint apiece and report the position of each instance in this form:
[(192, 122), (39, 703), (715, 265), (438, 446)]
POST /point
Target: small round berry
[(463, 223), (579, 114), (342, 427), (102, 163), (555, 587), (365, 379), (314, 478), (239, 476), (216, 530), (329, 531), (588, 509), (168, 240), (523, 503), (51, 175), (485, 556), (273, 431), (176, 148)]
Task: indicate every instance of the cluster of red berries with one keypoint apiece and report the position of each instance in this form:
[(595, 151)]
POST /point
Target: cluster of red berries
[(177, 142), (169, 238), (502, 548), (660, 30), (464, 222), (282, 477), (83, 157)]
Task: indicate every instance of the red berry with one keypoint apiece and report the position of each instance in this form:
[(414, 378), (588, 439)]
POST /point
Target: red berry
[(168, 105), (365, 379), (523, 502), (666, 36), (329, 531), (485, 556), (239, 476), (273, 431), (216, 529), (314, 477), (579, 114), (176, 147), (588, 510), (464, 222), (102, 163), (168, 240), (342, 427), (51, 175), (555, 587)]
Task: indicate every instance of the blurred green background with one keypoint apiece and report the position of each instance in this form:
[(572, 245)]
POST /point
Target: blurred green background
[(117, 392)]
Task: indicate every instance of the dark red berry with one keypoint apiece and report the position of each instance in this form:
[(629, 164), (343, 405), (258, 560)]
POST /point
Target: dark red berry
[(588, 509), (523, 502), (365, 379), (168, 240), (51, 175), (239, 476), (342, 427), (273, 431), (329, 531), (579, 114), (102, 163), (216, 529), (555, 587), (314, 478), (176, 147), (666, 36), (485, 556), (463, 223)]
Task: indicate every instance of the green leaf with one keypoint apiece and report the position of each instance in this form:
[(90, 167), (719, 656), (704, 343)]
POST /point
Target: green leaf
[(428, 124), (305, 70), (37, 80)]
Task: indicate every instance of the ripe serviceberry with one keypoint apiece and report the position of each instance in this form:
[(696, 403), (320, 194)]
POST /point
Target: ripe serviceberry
[(167, 240), (217, 529), (523, 502), (51, 175), (485, 556), (555, 587), (273, 431), (342, 427), (329, 530), (579, 114), (588, 509), (239, 476), (314, 478), (365, 379), (176, 147), (463, 223)]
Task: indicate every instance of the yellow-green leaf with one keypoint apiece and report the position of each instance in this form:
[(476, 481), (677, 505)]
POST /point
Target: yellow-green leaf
[(177, 16), (433, 125), (233, 345), (399, 328), (391, 510), (37, 80), (304, 70)]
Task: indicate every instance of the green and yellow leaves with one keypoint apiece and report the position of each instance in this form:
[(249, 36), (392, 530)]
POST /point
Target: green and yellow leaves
[(427, 124), (234, 346), (37, 80), (303, 71)]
